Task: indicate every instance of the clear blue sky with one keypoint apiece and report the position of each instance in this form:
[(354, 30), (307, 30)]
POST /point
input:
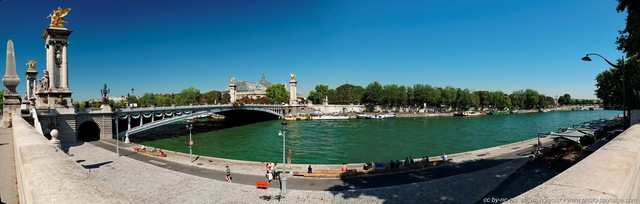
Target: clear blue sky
[(165, 46)]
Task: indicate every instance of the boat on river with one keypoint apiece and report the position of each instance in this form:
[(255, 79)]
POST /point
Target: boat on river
[(499, 112), (298, 117), (469, 113), (382, 116), (330, 117)]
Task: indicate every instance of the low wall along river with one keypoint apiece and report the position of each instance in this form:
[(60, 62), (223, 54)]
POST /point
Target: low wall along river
[(359, 141)]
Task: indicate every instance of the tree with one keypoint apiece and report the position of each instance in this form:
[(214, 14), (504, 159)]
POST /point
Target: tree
[(629, 43), (146, 100), (211, 97), (373, 94), (278, 94), (390, 94), (531, 98), (609, 88), (187, 96), (629, 40), (131, 99), (226, 98), (348, 93), (448, 96), (463, 98), (482, 98), (518, 98), (499, 100), (319, 94)]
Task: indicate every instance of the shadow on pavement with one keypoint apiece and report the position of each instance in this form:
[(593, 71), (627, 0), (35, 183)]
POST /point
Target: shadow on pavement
[(97, 165), (413, 192)]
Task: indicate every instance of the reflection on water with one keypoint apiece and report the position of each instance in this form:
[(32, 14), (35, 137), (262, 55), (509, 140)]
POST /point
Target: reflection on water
[(359, 141)]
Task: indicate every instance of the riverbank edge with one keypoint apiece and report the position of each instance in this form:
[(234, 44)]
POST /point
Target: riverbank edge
[(258, 168)]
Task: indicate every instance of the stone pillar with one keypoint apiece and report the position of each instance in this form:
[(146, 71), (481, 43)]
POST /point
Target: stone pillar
[(10, 80), (58, 94), (293, 91), (232, 92), (64, 82), (31, 85)]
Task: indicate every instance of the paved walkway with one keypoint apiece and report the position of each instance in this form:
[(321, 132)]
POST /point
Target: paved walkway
[(8, 189), (139, 177)]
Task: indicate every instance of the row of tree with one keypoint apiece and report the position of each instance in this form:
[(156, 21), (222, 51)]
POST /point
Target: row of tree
[(421, 94), (390, 95)]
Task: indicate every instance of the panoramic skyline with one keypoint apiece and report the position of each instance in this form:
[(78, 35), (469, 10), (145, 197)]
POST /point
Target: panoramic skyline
[(164, 47)]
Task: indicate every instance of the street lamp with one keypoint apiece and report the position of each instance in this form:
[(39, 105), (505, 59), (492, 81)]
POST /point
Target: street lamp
[(189, 127), (624, 84), (283, 177), (115, 117)]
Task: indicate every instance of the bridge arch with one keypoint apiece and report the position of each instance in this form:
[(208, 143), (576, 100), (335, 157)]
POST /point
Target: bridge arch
[(89, 131)]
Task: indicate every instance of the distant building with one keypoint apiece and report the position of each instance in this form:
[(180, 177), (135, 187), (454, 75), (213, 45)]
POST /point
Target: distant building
[(252, 90)]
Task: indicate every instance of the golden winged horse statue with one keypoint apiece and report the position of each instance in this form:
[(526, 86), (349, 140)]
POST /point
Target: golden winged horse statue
[(56, 17)]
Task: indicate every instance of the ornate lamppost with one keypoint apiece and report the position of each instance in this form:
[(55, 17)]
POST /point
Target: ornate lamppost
[(283, 177), (115, 117), (189, 127), (624, 84), (104, 91)]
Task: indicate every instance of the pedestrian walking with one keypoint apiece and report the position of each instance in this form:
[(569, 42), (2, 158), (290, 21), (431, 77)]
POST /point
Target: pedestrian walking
[(228, 175)]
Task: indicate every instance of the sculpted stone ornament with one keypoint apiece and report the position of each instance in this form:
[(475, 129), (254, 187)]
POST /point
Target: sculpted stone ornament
[(43, 84), (293, 77), (58, 55), (32, 65), (56, 17)]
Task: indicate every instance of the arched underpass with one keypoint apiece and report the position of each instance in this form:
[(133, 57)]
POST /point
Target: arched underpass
[(244, 116), (89, 131)]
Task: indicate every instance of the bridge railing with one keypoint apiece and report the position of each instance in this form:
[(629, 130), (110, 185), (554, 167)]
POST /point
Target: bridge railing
[(174, 107)]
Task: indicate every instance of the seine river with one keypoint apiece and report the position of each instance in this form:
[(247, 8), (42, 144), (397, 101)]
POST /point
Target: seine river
[(361, 140)]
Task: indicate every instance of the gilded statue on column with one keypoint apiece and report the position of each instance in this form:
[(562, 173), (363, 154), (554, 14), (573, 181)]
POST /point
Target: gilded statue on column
[(293, 77), (233, 80), (56, 17), (32, 64)]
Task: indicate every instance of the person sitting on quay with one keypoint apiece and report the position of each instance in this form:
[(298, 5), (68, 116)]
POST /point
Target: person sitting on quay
[(411, 162), (344, 166), (143, 147), (309, 170), (365, 166), (154, 150), (406, 162), (444, 157), (397, 163), (423, 160), (161, 152), (373, 166), (391, 165)]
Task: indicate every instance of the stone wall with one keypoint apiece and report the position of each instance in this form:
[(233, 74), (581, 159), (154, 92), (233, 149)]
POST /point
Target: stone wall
[(338, 108), (608, 174), (47, 175)]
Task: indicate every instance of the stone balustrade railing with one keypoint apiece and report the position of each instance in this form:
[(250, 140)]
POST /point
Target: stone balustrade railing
[(47, 175), (609, 175)]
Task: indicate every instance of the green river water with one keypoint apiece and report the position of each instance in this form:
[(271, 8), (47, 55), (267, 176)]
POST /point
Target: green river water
[(361, 140)]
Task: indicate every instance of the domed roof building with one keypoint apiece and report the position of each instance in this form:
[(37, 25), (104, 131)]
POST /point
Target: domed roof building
[(252, 90)]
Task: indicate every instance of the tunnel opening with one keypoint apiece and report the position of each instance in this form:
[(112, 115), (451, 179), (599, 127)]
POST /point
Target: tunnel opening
[(89, 131)]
